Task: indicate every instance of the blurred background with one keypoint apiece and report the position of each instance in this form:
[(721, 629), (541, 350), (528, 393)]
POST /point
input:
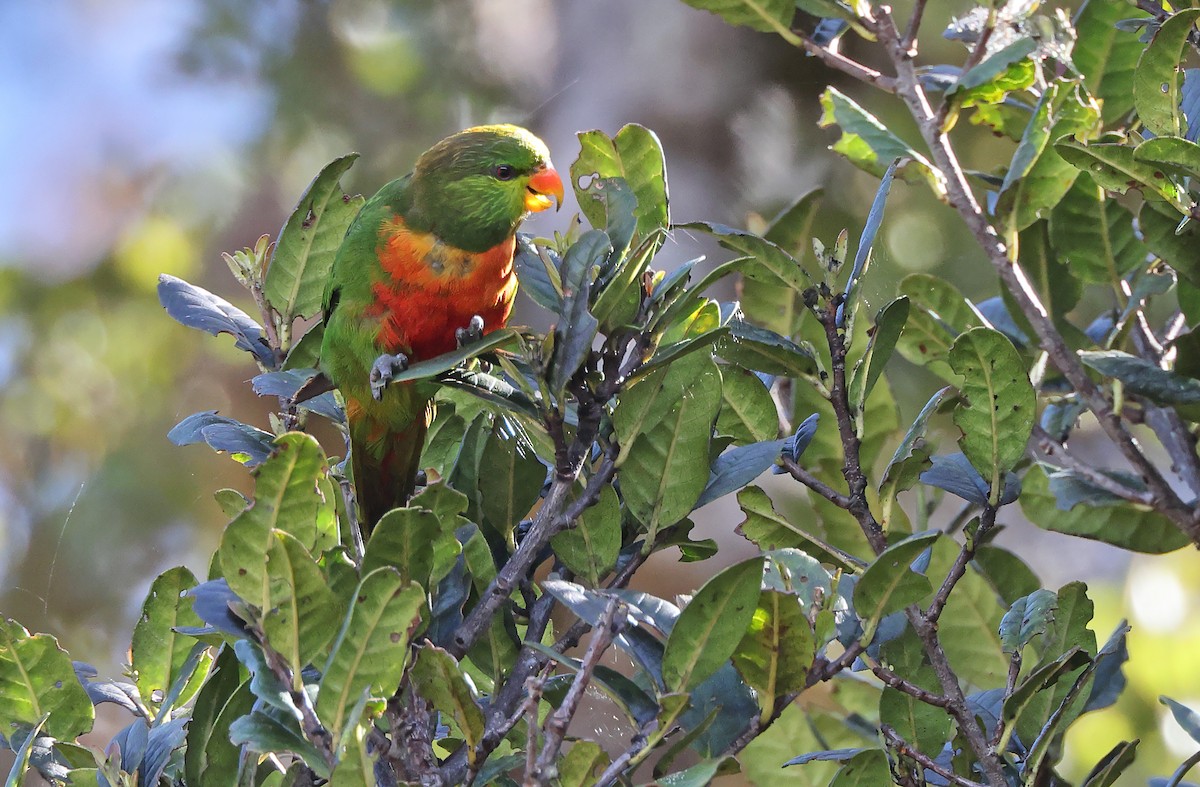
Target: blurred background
[(141, 137)]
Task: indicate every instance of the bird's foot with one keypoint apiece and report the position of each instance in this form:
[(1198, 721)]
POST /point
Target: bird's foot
[(471, 334), (384, 369)]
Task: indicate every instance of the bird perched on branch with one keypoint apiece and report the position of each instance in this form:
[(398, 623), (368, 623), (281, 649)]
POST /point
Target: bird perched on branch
[(425, 266)]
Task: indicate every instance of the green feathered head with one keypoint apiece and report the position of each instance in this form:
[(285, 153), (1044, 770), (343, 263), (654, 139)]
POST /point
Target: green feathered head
[(473, 188)]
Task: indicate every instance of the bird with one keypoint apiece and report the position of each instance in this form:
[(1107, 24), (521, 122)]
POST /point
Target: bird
[(425, 266)]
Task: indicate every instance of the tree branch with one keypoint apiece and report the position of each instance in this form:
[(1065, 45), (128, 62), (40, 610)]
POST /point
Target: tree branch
[(1057, 453), (555, 728), (1003, 259), (903, 748), (815, 484)]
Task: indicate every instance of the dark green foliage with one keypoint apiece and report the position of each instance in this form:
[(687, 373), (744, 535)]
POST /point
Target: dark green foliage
[(559, 463)]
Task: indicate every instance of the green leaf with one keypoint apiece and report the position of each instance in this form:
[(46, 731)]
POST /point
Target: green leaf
[(910, 459), (512, 483), (1057, 289), (301, 617), (780, 308), (1173, 244), (1158, 78), (997, 415), (634, 154), (1039, 176), (356, 767), (1112, 765), (868, 769), (16, 774), (748, 412), (1094, 235), (759, 349), (582, 765), (1026, 618), (438, 678), (1010, 69), (37, 681), (591, 548), (710, 627), (158, 651), (869, 145), (1107, 56), (231, 501), (1125, 525), (499, 339), (926, 727), (577, 327), (308, 242), (269, 734), (942, 300), (368, 654), (1042, 681), (797, 573), (1009, 576), (777, 650), (660, 479), (411, 540), (772, 264), (1114, 168), (1144, 377), (889, 323), (764, 15), (889, 584), (1182, 156), (1070, 631), (285, 498), (769, 530), (210, 760), (700, 774)]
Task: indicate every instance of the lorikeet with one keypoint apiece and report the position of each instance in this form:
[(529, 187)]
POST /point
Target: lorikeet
[(425, 261)]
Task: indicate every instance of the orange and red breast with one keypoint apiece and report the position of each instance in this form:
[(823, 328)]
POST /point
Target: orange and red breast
[(429, 289)]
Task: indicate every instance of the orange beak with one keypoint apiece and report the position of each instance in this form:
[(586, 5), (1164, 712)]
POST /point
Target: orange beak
[(543, 184)]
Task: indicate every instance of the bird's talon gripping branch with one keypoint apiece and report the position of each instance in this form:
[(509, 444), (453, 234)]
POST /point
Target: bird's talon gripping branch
[(384, 369), (471, 334)]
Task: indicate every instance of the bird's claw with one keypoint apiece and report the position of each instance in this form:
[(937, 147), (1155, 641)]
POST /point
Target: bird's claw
[(471, 334), (383, 370)]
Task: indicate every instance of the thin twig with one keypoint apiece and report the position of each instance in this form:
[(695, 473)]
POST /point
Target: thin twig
[(893, 680), (856, 480), (1014, 672), (613, 772), (815, 484), (555, 728), (839, 62), (904, 749), (1182, 770), (965, 554), (914, 26), (1060, 456), (533, 695)]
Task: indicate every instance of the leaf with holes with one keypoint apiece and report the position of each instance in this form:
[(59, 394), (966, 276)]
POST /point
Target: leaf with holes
[(1157, 80), (440, 680), (158, 650), (634, 154), (307, 243), (36, 679), (366, 653)]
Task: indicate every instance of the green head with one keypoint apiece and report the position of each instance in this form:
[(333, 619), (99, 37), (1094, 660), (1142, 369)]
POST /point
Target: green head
[(473, 188)]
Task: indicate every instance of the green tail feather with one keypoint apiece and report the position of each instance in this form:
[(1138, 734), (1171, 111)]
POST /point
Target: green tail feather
[(385, 468)]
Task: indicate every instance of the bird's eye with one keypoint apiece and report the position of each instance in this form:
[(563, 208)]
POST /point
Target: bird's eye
[(505, 172)]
